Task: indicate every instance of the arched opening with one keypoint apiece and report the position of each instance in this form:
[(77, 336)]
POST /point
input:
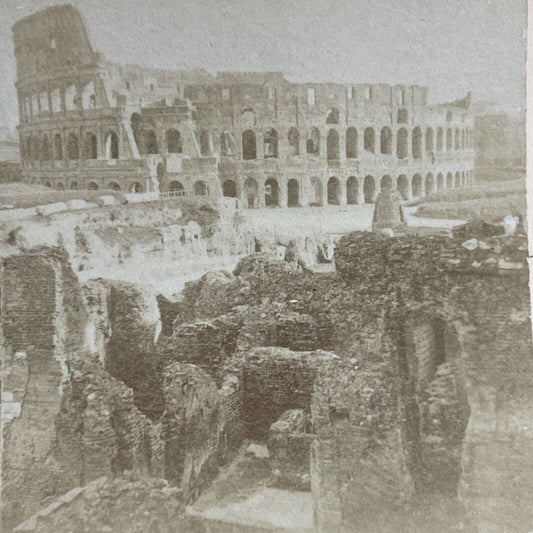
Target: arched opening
[(449, 180), (250, 193), (440, 182), (440, 140), (58, 147), (352, 191), (417, 143), (332, 116), (293, 193), (92, 186), (73, 186), (36, 149), (294, 141), (313, 142), (111, 146), (229, 189), (333, 145), (60, 186), (333, 191), (113, 186), (91, 146), (205, 144), (271, 192), (401, 143), (136, 187), (29, 155), (316, 187), (457, 180), (351, 143), (176, 188), (174, 144), (457, 138), (385, 183), (73, 148), (135, 122), (463, 182), (386, 140), (249, 149), (151, 142), (449, 139), (369, 189), (200, 188), (45, 148), (369, 140), (429, 184), (429, 139), (417, 185), (270, 140), (47, 184), (227, 144), (403, 186)]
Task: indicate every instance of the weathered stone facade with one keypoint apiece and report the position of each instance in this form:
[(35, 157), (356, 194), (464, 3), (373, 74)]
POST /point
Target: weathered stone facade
[(89, 123)]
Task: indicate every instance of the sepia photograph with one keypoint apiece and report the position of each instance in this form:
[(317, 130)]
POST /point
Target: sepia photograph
[(264, 267)]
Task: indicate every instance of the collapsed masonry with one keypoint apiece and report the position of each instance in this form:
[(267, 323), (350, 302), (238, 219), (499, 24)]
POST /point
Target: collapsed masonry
[(405, 377)]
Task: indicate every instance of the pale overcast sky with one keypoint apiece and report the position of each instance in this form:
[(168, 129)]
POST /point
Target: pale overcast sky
[(450, 46)]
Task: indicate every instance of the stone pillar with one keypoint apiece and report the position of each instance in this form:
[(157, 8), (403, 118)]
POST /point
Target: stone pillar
[(324, 181), (342, 192), (283, 193), (259, 145), (261, 193)]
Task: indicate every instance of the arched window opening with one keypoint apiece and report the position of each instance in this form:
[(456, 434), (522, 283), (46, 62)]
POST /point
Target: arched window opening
[(429, 184), (60, 186), (403, 186), (440, 140), (333, 191), (73, 186), (429, 139), (200, 188), (386, 140), (333, 116), (47, 184), (449, 180), (249, 149), (135, 122), (113, 186), (293, 193), (462, 139), (369, 140), (403, 116), (449, 139), (313, 142), (205, 144), (401, 143), (229, 189), (29, 151), (457, 137), (271, 192), (36, 149), (73, 149), (92, 186), (351, 143), (45, 147), (91, 147), (385, 183), (270, 140), (111, 146), (352, 191), (174, 144), (417, 185), (294, 141), (58, 147), (440, 182), (176, 188), (369, 189), (457, 180), (333, 145), (417, 143), (151, 142), (250, 193), (316, 187), (136, 187)]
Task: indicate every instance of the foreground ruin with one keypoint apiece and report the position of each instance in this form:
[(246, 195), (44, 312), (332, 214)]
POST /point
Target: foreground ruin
[(396, 389)]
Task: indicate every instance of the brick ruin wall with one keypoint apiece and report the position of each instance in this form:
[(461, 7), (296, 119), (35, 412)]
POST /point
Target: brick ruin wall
[(426, 397)]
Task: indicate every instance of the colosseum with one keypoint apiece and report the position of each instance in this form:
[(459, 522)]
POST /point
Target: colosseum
[(86, 123)]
